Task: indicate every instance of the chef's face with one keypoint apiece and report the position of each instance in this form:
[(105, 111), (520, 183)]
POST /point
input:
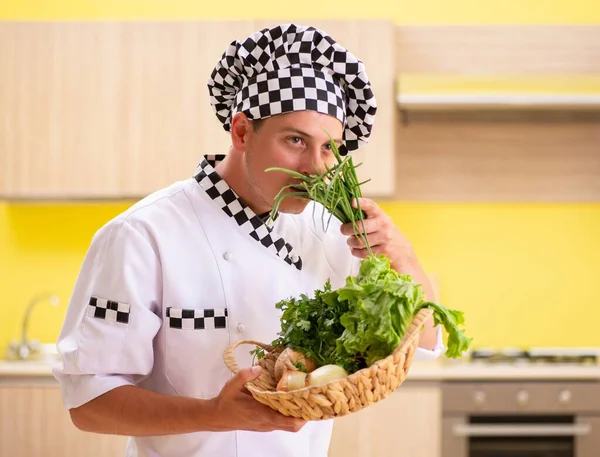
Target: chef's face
[(296, 141)]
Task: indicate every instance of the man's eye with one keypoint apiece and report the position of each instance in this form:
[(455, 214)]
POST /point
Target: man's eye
[(328, 147), (295, 139)]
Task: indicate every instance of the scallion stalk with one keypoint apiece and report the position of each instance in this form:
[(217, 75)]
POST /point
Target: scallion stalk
[(335, 189)]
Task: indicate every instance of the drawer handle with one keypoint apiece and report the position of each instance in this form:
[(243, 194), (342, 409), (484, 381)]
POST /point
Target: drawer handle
[(521, 430)]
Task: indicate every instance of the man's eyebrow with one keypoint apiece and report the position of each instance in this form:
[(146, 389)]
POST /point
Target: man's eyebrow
[(302, 133), (298, 131)]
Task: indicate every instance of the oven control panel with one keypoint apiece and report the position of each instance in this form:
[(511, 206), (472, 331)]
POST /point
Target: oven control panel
[(532, 397)]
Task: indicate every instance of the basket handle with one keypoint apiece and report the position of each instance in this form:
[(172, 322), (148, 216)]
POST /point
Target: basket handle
[(229, 355)]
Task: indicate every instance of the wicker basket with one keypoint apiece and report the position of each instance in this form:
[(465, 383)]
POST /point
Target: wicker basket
[(338, 398)]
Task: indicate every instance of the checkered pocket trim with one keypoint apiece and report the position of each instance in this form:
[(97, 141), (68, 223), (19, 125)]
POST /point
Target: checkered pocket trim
[(108, 310), (197, 319)]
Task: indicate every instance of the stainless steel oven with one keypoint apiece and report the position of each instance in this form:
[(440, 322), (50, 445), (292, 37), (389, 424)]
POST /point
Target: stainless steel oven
[(521, 419)]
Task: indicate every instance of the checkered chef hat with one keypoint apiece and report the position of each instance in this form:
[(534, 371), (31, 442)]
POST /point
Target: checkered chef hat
[(293, 68)]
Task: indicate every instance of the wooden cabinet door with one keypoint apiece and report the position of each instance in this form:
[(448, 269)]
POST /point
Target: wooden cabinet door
[(406, 424), (34, 423), (56, 88), (109, 109), (120, 109), (170, 123)]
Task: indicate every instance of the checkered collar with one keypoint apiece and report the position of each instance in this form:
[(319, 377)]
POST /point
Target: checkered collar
[(225, 197)]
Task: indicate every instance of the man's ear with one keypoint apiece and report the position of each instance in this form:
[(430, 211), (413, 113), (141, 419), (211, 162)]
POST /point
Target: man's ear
[(241, 128)]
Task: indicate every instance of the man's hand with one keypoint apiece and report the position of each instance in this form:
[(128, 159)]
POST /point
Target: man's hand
[(236, 409), (383, 236)]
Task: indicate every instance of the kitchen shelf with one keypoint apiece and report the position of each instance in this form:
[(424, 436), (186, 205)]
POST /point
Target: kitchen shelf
[(439, 92)]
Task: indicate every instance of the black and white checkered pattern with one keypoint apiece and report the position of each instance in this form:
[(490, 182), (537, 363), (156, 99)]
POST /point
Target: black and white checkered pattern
[(234, 207), (291, 89), (108, 310), (294, 68), (197, 319)]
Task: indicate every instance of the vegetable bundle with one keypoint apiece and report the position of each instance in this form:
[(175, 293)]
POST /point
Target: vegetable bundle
[(365, 320)]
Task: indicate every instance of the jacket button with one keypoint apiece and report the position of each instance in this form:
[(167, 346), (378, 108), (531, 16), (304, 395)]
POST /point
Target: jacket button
[(227, 256), (241, 328)]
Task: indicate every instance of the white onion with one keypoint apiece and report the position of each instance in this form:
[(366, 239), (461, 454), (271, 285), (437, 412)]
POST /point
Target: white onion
[(287, 360), (325, 374), (292, 380)]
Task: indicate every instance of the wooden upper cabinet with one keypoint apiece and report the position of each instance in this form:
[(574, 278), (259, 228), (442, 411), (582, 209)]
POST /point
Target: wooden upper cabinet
[(498, 113), (56, 90), (120, 109), (170, 124), (107, 110)]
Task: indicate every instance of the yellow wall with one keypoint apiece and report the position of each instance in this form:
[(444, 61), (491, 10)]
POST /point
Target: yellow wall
[(400, 11), (41, 249), (524, 274)]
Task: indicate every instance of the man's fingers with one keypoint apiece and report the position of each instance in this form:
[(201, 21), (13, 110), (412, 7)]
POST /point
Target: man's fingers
[(243, 376), (281, 421), (360, 253), (363, 253), (375, 239), (367, 226), (370, 208), (291, 424), (296, 425)]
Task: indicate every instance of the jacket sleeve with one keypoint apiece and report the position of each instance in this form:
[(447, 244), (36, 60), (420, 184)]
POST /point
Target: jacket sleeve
[(439, 349), (112, 319)]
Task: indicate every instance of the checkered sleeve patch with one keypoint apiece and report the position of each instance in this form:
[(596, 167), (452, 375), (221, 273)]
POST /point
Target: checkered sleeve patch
[(108, 310), (197, 319)]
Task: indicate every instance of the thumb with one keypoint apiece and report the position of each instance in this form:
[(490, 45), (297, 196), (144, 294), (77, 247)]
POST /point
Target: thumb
[(245, 375)]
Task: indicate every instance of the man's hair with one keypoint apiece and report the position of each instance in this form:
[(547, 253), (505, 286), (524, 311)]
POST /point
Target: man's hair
[(257, 124)]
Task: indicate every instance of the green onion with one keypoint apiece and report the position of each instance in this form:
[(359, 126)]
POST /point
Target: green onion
[(334, 189)]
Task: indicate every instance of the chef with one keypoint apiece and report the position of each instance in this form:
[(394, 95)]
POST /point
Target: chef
[(166, 286)]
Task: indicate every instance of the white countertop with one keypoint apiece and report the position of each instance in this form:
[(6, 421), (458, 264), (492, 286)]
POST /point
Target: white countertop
[(459, 371), (420, 371), (26, 368)]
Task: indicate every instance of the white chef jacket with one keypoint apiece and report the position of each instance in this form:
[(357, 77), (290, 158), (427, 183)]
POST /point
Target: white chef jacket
[(166, 286)]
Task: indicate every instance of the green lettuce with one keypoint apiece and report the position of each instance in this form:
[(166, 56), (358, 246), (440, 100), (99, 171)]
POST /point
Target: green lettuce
[(381, 307), (363, 321)]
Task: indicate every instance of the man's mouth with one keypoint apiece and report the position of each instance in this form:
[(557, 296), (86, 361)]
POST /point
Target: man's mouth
[(297, 187)]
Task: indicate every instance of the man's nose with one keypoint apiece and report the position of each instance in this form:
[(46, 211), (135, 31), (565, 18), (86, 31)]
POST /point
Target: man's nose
[(312, 161)]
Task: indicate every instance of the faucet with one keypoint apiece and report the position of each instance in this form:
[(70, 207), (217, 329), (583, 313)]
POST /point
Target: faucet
[(29, 349)]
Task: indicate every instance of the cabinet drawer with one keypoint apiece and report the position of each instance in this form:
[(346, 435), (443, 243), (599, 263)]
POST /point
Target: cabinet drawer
[(529, 397)]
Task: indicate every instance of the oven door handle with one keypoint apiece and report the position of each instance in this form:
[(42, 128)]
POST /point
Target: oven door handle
[(521, 430)]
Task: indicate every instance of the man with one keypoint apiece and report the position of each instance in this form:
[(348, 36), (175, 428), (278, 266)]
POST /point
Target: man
[(166, 286)]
